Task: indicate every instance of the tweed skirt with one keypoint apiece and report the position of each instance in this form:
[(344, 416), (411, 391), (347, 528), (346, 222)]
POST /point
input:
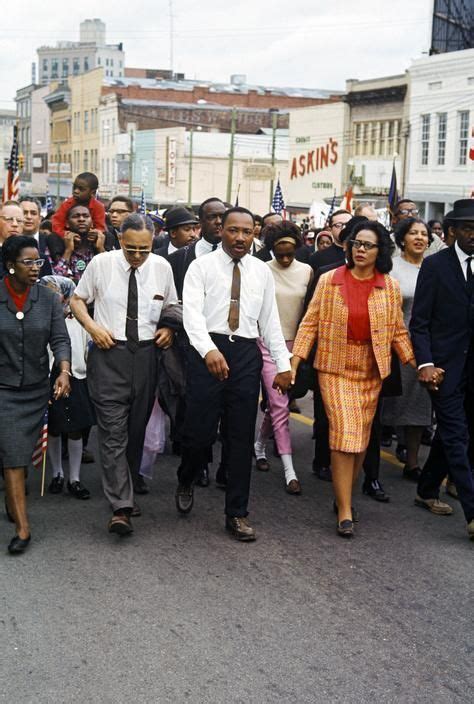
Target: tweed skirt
[(22, 412), (350, 399)]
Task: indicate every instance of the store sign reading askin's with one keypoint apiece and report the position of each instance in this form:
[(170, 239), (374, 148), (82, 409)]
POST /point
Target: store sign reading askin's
[(313, 160)]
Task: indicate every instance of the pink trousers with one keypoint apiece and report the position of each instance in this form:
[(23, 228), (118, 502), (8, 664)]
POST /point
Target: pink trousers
[(277, 414)]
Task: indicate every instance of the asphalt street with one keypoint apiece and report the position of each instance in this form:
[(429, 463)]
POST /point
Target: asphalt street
[(180, 612)]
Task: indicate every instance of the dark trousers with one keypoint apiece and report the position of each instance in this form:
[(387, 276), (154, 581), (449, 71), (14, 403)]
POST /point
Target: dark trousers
[(122, 386), (322, 453), (450, 449), (235, 401)]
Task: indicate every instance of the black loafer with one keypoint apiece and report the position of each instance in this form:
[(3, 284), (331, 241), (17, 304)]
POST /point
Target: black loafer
[(139, 485), (412, 474), (184, 498), (18, 545), (323, 473), (262, 464), (203, 477), (79, 491), (57, 484), (345, 529), (375, 490)]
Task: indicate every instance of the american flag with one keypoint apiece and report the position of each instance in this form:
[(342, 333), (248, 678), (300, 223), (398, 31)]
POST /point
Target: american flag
[(278, 204), (41, 444), (393, 191), (142, 207), (332, 207), (49, 202), (11, 190)]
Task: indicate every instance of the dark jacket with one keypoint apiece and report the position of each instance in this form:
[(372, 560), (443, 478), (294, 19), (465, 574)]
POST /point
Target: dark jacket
[(442, 318), (163, 252), (24, 357), (331, 255), (171, 380), (180, 262)]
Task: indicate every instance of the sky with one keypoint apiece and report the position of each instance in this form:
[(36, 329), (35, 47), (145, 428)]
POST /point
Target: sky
[(305, 43)]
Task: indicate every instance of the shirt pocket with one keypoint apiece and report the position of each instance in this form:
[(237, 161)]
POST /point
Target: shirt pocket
[(154, 311), (254, 305)]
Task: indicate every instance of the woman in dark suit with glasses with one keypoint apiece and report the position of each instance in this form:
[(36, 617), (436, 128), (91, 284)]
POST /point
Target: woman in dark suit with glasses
[(31, 318)]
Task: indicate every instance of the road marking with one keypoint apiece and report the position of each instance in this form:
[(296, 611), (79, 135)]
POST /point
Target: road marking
[(387, 456)]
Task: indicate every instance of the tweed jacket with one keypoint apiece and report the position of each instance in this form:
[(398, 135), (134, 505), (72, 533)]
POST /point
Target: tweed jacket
[(326, 321), (24, 359)]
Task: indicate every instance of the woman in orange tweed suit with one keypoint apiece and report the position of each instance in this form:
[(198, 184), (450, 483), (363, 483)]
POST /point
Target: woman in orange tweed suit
[(356, 318)]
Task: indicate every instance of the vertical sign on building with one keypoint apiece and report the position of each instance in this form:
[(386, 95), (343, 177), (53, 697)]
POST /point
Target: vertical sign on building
[(171, 162)]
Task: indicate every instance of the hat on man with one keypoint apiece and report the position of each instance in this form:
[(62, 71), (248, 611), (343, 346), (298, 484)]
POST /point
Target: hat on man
[(462, 210), (179, 216)]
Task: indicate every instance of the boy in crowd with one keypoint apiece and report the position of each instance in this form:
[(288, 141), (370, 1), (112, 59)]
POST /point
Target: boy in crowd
[(83, 193)]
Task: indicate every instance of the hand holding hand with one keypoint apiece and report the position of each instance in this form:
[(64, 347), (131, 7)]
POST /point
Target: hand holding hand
[(431, 377), (282, 382), (216, 365)]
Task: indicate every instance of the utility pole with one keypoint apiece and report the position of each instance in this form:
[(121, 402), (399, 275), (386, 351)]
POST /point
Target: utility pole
[(231, 154), (190, 175), (274, 112), (130, 165), (171, 16)]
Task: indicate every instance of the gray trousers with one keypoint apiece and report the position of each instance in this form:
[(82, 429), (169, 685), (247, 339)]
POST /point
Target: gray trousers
[(122, 387)]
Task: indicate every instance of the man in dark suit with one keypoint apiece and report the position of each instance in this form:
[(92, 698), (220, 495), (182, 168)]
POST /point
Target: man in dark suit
[(441, 329), (335, 253), (31, 208), (120, 207), (181, 226)]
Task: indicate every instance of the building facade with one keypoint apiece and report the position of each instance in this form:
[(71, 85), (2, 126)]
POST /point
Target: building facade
[(75, 58), (441, 117)]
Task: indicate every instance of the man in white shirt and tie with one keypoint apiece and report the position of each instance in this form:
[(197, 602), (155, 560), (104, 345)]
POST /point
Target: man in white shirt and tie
[(228, 301), (130, 288)]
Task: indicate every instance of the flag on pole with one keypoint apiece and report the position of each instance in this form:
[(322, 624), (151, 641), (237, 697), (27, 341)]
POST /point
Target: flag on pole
[(393, 192), (142, 206), (49, 201), (346, 202), (332, 207), (237, 197), (471, 145), (278, 204), (42, 443), (11, 190)]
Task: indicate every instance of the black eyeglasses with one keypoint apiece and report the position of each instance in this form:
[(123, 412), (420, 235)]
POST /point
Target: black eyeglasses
[(358, 244), (409, 211)]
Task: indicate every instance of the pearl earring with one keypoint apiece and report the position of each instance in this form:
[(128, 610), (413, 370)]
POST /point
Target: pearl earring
[(11, 271)]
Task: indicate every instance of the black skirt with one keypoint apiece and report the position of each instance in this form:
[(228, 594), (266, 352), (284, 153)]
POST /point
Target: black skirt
[(73, 414)]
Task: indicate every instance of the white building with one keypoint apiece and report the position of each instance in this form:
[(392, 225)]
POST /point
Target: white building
[(441, 117), (73, 58)]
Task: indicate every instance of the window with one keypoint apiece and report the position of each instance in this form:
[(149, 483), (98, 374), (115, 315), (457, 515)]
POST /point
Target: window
[(76, 66), (383, 131), (463, 117), (373, 138), (107, 171), (365, 137), (435, 85), (86, 120), (65, 68), (86, 160), (86, 63), (45, 65), (425, 139), (442, 124), (99, 61), (54, 68), (106, 62)]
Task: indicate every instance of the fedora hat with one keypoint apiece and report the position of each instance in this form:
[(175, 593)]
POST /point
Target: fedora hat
[(179, 216), (462, 210)]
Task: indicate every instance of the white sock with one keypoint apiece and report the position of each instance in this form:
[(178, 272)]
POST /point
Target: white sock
[(287, 461), (54, 455), (75, 456), (261, 441)]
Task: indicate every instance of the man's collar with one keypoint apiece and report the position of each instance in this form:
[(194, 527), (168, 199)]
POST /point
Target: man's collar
[(462, 256), (229, 259), (126, 266)]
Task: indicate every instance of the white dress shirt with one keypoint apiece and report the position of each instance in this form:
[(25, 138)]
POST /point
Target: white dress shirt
[(205, 247), (206, 301), (171, 248), (463, 257), (105, 283)]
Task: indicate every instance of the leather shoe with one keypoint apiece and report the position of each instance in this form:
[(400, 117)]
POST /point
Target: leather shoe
[(18, 545), (293, 487), (203, 477), (439, 508), (139, 485), (240, 528), (375, 490), (56, 485), (136, 511), (184, 498), (413, 473), (323, 473), (345, 529), (79, 491), (120, 524), (263, 464)]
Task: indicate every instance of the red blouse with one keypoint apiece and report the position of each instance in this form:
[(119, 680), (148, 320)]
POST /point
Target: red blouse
[(358, 292), (19, 299)]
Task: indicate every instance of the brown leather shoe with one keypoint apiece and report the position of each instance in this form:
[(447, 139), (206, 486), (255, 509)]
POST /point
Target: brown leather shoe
[(293, 487), (439, 508), (240, 528), (120, 524), (262, 464)]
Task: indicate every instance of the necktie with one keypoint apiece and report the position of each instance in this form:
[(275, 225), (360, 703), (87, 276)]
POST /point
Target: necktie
[(131, 326), (234, 308), (214, 246), (469, 275)]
